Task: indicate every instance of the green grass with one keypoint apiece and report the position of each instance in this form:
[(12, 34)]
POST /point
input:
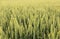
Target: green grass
[(29, 22)]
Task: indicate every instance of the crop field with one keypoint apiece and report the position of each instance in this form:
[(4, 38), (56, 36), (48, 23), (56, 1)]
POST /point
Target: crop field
[(29, 22)]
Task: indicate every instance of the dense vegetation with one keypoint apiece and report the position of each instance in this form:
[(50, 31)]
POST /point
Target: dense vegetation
[(29, 23)]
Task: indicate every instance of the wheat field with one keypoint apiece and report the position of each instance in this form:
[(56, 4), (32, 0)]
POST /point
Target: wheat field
[(29, 21)]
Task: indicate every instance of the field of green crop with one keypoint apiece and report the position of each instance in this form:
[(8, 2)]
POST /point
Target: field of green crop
[(30, 22)]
